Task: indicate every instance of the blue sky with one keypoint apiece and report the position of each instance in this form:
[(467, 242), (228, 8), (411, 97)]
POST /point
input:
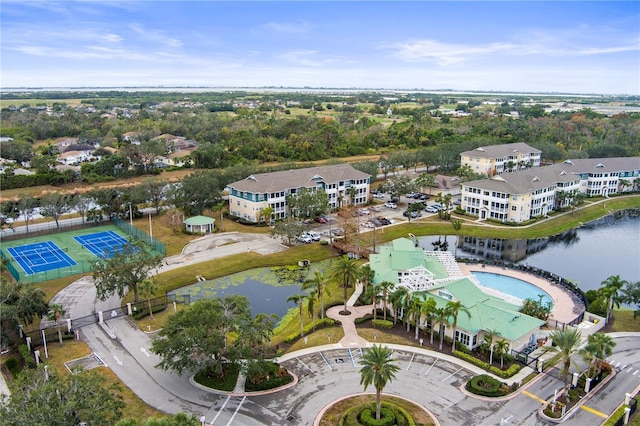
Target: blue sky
[(560, 46)]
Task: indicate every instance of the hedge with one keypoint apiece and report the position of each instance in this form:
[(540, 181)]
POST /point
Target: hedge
[(494, 389), (327, 322), (378, 323), (400, 415), (505, 374), (368, 417), (618, 414), (144, 312)]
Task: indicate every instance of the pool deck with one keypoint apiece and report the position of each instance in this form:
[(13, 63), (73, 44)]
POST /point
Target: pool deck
[(566, 306)]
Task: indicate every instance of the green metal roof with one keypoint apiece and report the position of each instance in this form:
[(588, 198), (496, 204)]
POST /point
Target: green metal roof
[(199, 220)]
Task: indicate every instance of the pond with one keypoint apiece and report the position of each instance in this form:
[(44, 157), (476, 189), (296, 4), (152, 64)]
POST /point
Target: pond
[(586, 256), (267, 289)]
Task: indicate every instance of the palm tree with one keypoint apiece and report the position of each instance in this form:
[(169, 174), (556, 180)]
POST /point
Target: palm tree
[(318, 284), (416, 309), (454, 309), (345, 272), (441, 316), (428, 309), (147, 289), (56, 311), (298, 299), (378, 368), (501, 348), (599, 346), (457, 226), (386, 287), (611, 288), (373, 291), (366, 276), (567, 343), (396, 299), (489, 335), (311, 307)]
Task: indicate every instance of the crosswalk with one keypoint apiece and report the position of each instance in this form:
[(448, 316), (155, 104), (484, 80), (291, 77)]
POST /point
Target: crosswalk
[(624, 368)]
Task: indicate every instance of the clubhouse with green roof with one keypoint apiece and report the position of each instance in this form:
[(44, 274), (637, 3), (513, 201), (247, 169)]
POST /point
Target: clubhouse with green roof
[(436, 274), (200, 224)]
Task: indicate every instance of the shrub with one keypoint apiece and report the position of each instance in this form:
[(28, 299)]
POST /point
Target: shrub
[(143, 312), (13, 365), (368, 417), (378, 323), (486, 385), (27, 356), (513, 369), (323, 323)]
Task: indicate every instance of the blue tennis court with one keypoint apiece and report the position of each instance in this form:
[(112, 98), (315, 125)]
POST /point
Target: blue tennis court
[(102, 244), (40, 257)]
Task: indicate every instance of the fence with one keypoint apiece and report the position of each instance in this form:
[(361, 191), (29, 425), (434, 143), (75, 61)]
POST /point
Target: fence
[(143, 236), (81, 267), (48, 228)]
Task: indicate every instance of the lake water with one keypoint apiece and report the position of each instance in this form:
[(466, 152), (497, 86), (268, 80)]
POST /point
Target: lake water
[(587, 255)]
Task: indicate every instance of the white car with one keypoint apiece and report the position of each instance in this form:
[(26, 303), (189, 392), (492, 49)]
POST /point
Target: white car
[(305, 239), (314, 235), (378, 195), (391, 205)]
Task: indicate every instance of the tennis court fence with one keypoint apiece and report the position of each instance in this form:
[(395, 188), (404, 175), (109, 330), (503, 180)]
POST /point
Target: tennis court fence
[(157, 246), (46, 229), (81, 267)]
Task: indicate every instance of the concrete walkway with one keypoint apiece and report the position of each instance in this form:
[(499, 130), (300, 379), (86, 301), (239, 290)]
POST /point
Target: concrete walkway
[(351, 338)]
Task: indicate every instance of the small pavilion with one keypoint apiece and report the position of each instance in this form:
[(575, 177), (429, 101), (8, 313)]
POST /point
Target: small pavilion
[(200, 224)]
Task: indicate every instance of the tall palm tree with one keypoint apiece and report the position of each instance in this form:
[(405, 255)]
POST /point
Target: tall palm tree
[(385, 287), (416, 309), (397, 299), (611, 288), (373, 291), (599, 346), (378, 368), (298, 299), (428, 309), (56, 311), (345, 272), (454, 309), (567, 343), (319, 284), (147, 289), (489, 335), (501, 348), (366, 276), (442, 318), (311, 307)]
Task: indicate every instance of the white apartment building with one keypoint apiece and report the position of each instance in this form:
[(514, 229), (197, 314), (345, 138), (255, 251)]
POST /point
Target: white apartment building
[(248, 197), (497, 159), (521, 196)]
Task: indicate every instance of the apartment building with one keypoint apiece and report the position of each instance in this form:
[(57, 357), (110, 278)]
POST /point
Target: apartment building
[(523, 195), (342, 183), (497, 159)]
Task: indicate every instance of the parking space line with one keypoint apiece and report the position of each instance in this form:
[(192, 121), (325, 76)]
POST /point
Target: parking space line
[(452, 374), (308, 368), (237, 409), (220, 411), (326, 360), (429, 369), (411, 361)]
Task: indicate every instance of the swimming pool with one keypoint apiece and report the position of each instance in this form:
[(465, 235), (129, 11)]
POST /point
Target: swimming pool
[(511, 286)]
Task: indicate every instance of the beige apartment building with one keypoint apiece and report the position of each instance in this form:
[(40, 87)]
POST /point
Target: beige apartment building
[(497, 159)]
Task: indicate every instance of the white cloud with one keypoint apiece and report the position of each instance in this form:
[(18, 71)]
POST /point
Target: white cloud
[(157, 36), (287, 27)]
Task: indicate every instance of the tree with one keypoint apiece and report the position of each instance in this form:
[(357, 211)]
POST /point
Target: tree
[(599, 346), (428, 309), (501, 348), (298, 299), (345, 272), (196, 192), (454, 309), (220, 208), (57, 399), (611, 289), (180, 419), (124, 271), (81, 203), (265, 214), (487, 345), (425, 180), (396, 298), (442, 318), (373, 291), (288, 229), (19, 305), (307, 202), (319, 285), (631, 296), (197, 338), (56, 311), (567, 344), (27, 207), (385, 287), (54, 205), (147, 289), (378, 368), (311, 306), (153, 191), (366, 276)]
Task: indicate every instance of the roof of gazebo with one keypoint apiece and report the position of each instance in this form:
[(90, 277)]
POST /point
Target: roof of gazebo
[(199, 220)]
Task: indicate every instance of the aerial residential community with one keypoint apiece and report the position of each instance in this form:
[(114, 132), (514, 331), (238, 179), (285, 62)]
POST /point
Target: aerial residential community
[(332, 214)]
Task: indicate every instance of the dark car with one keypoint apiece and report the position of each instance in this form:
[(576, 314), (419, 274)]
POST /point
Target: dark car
[(424, 197)]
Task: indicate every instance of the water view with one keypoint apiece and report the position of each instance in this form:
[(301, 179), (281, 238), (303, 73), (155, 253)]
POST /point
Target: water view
[(587, 255)]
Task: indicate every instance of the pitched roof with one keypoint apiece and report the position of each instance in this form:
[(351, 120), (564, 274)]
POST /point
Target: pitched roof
[(528, 180), (499, 151), (309, 178)]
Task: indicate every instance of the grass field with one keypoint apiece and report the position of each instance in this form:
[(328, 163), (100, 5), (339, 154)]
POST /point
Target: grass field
[(6, 103)]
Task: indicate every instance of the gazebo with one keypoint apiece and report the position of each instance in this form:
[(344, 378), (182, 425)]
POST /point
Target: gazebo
[(200, 224)]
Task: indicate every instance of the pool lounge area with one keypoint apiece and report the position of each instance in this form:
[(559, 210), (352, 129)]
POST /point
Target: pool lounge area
[(566, 305)]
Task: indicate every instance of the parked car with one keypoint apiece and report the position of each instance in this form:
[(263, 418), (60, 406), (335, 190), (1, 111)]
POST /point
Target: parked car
[(394, 200), (321, 219), (424, 197), (391, 205), (378, 195), (457, 202), (431, 209), (313, 235), (304, 238)]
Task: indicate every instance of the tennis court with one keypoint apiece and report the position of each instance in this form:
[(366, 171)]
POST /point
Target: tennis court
[(102, 244), (40, 257)]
